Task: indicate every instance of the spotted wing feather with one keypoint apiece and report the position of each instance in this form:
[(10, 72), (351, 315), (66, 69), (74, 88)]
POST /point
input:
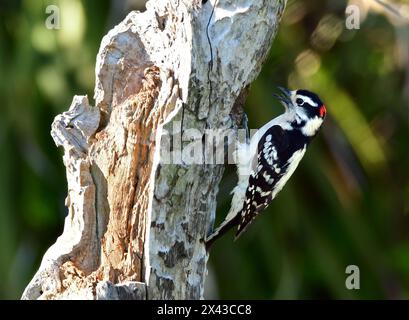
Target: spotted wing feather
[(268, 167)]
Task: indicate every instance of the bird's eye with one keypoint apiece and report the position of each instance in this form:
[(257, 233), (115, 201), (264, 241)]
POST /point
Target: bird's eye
[(299, 101)]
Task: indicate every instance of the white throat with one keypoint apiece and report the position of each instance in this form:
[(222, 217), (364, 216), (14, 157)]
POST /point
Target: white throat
[(311, 126)]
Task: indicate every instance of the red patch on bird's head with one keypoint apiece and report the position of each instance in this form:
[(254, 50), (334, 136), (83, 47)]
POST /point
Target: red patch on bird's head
[(323, 111)]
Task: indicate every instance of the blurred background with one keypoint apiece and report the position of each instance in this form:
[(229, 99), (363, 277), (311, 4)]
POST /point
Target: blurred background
[(347, 203)]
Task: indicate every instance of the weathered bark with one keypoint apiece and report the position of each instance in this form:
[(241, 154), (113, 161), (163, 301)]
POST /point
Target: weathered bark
[(136, 225)]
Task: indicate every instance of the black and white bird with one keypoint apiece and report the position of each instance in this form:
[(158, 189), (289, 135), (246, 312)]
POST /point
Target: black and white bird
[(266, 163)]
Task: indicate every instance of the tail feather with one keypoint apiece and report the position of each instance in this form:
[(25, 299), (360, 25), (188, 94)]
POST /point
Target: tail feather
[(225, 226), (243, 158), (242, 227)]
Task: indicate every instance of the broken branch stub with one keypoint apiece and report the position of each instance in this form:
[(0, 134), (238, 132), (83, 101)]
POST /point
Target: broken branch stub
[(136, 224)]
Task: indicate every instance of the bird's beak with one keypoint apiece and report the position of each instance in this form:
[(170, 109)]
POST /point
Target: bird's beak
[(284, 97)]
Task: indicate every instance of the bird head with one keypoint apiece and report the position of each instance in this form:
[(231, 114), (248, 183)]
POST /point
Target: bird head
[(305, 109)]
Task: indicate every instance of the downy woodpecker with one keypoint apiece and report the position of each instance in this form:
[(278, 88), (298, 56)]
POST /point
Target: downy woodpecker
[(265, 164)]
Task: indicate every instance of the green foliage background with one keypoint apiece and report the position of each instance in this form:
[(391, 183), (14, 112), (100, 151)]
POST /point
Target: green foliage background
[(347, 203)]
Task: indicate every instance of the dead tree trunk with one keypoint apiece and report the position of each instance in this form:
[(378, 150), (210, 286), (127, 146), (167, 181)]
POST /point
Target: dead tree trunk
[(136, 224)]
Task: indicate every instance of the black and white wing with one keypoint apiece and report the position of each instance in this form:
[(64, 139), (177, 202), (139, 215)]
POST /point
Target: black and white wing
[(268, 168)]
